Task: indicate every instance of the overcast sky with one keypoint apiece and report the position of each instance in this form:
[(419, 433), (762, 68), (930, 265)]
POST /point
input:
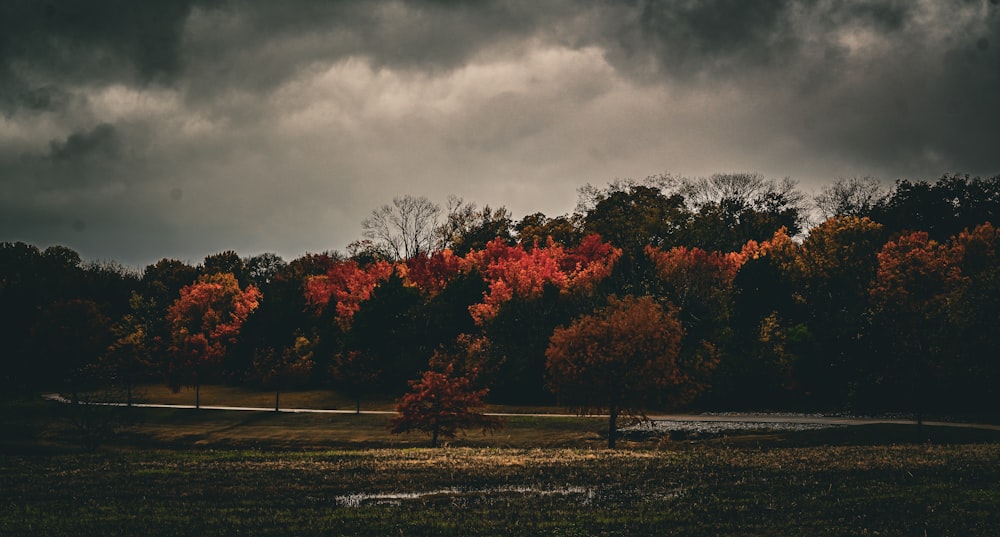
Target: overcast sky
[(135, 131)]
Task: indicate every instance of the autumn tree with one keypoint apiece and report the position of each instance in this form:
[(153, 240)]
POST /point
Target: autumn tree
[(910, 296), (441, 404), (974, 380), (355, 372), (835, 267), (622, 359), (404, 229), (127, 359), (204, 321)]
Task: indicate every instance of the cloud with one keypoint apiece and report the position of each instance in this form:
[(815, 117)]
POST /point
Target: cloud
[(101, 141), (184, 128)]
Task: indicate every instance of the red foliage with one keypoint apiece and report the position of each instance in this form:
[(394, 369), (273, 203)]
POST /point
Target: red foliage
[(204, 320), (977, 251), (432, 273), (622, 355), (441, 404), (348, 285), (913, 273), (513, 271), (694, 270)]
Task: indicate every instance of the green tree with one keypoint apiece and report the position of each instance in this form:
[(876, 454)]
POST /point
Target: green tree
[(68, 340), (468, 228), (536, 229), (633, 215), (941, 209), (278, 369), (835, 268), (732, 209)]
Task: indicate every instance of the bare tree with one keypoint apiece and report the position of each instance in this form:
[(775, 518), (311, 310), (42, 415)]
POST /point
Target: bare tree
[(850, 197), (404, 229)]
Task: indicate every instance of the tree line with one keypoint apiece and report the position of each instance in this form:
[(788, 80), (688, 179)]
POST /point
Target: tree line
[(732, 292)]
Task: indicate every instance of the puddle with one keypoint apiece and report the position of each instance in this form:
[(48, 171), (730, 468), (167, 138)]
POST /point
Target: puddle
[(701, 429), (397, 498)]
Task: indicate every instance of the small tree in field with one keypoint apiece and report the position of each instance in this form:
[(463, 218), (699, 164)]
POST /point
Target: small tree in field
[(441, 404), (621, 359), (279, 368)]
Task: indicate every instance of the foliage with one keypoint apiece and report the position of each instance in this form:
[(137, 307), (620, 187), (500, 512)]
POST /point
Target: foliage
[(205, 319), (859, 312), (632, 215), (468, 228), (943, 208), (732, 209), (910, 301), (535, 229), (441, 404), (347, 284), (622, 359), (67, 341), (512, 271), (280, 368)]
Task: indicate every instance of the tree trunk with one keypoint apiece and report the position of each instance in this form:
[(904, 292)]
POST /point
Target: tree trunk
[(277, 398), (357, 405), (434, 437), (612, 425), (197, 395)]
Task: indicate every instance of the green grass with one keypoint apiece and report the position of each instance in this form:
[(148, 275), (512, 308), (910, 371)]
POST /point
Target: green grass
[(186, 472)]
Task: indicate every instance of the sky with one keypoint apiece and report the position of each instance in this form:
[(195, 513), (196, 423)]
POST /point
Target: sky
[(135, 131)]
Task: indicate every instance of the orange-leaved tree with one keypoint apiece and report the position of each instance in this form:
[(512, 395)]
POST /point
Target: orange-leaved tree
[(910, 299), (621, 359), (204, 320), (347, 284), (441, 404)]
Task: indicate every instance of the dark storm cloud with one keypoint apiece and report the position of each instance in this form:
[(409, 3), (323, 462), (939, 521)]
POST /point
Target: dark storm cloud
[(101, 141), (81, 40), (211, 125)]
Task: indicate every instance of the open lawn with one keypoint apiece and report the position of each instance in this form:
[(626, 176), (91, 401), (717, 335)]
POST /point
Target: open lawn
[(185, 472)]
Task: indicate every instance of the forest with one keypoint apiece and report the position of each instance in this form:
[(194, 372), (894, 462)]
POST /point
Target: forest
[(731, 292)]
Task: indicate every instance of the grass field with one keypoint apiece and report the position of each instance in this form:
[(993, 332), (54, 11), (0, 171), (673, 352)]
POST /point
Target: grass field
[(186, 472)]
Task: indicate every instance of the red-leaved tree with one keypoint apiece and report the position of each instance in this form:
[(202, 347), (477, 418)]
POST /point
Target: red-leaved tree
[(347, 285), (441, 404), (204, 320)]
